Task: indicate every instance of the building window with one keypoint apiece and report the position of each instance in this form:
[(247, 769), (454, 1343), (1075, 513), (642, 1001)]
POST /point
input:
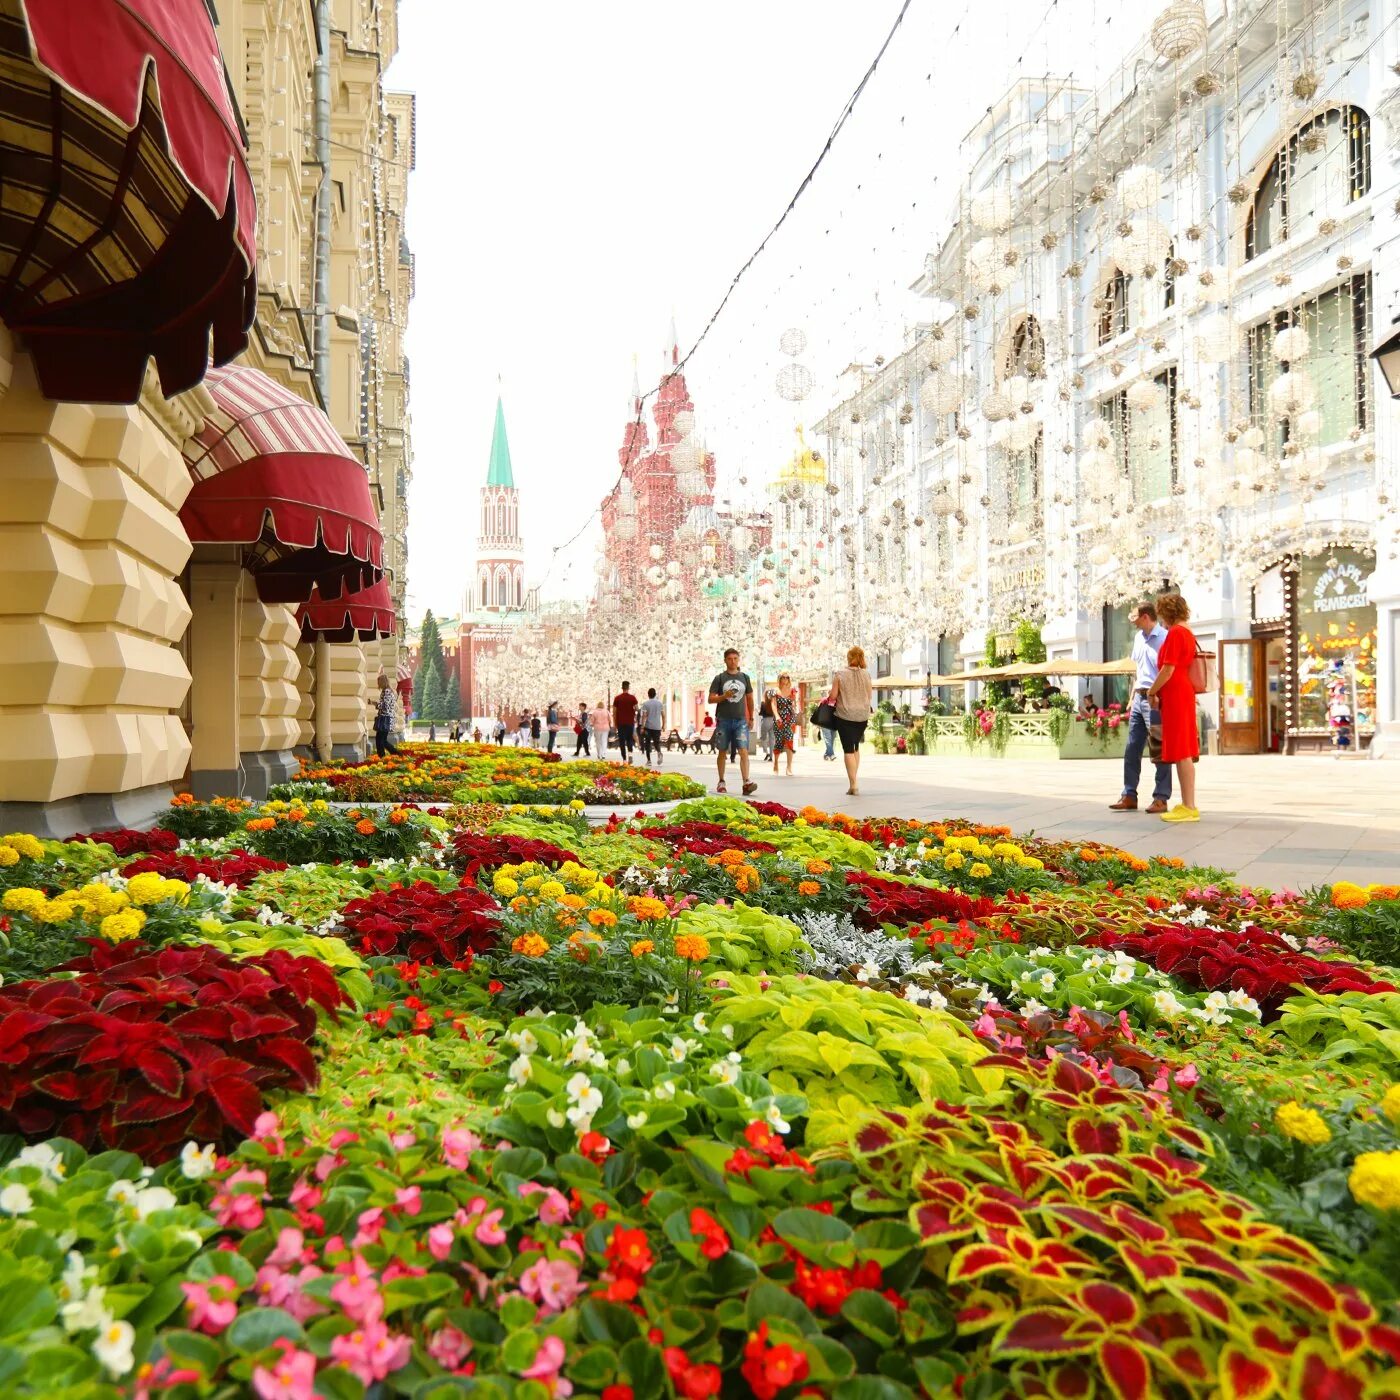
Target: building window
[(1336, 639), (1026, 354), (1114, 412), (1113, 307), (882, 664), (500, 519), (1117, 643), (1169, 278), (502, 589), (1337, 367), (1325, 166), (1153, 434)]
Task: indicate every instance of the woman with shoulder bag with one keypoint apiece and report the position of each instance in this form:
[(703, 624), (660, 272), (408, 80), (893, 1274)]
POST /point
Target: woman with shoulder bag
[(1173, 694), (847, 708)]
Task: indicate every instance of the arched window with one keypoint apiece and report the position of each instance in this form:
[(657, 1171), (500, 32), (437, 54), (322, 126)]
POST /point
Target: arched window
[(500, 519), (1026, 353), (502, 589), (485, 583), (1325, 166), (1169, 278), (1112, 306)]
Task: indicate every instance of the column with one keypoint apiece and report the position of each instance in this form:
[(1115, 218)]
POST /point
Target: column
[(216, 631), (269, 694), (306, 698), (347, 687)]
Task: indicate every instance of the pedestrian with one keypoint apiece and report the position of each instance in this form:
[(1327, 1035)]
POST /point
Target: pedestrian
[(500, 729), (624, 711), (522, 730), (581, 723), (476, 734), (1176, 699), (432, 731), (784, 721), (535, 729), (850, 696), (830, 736), (552, 722), (598, 723), (1142, 718), (731, 693), (765, 725), (384, 718), (653, 717)]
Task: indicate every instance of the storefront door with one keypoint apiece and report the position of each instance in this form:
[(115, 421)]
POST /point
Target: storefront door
[(1240, 700)]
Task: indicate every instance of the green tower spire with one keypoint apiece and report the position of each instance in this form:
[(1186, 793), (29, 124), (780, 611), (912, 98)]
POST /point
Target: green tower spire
[(500, 473)]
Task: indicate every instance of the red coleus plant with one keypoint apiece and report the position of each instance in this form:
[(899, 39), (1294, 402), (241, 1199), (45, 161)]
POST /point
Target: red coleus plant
[(774, 809), (891, 902), (705, 839), (239, 868), (1264, 965), (422, 922), (126, 842), (144, 1048), (476, 852)]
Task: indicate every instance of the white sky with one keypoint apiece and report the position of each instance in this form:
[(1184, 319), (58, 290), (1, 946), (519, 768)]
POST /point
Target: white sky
[(585, 170)]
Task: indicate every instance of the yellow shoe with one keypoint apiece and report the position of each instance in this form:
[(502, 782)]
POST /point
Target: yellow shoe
[(1181, 813)]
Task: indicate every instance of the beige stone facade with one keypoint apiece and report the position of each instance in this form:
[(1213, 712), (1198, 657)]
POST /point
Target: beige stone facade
[(139, 665)]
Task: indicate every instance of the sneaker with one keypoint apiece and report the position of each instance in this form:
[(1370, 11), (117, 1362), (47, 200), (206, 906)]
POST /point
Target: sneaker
[(750, 787), (1181, 813), (720, 787)]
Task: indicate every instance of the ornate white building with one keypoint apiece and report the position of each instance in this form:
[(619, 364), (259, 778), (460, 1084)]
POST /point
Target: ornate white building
[(1147, 363)]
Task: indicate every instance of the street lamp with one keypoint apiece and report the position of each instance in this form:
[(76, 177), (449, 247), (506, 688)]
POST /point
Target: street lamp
[(1387, 355)]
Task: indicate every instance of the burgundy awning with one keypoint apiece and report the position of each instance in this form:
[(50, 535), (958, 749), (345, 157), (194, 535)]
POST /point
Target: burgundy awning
[(364, 615), (127, 215), (272, 473)]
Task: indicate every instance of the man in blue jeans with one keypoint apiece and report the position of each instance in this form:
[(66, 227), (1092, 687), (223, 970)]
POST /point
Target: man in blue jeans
[(731, 693), (1142, 718)]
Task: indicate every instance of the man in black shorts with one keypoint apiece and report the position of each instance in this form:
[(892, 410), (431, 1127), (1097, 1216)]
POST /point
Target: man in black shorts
[(624, 709)]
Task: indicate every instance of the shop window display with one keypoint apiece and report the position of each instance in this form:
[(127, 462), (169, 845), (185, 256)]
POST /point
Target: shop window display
[(1336, 644)]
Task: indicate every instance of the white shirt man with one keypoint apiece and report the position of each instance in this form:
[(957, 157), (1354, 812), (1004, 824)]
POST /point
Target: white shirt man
[(1142, 719)]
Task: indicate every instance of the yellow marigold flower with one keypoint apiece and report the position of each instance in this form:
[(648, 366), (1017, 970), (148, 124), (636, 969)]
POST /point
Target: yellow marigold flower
[(644, 907), (1383, 891), (533, 882), (503, 884), (954, 861), (1030, 863), (808, 887), (799, 821), (818, 867), (530, 945), (1302, 1124), (56, 911), (176, 890), (8, 855), (1345, 895), (147, 888), (25, 844), (577, 804), (1375, 1180), (551, 889), (117, 928), (692, 947), (642, 947), (1007, 849), (980, 871), (602, 918), (23, 901), (1390, 1105)]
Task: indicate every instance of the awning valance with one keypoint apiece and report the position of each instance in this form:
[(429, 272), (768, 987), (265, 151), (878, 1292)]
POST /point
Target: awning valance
[(272, 473), (364, 615), (127, 215)]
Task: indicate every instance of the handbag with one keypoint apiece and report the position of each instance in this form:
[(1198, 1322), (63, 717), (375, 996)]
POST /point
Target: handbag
[(1202, 671), (824, 715)]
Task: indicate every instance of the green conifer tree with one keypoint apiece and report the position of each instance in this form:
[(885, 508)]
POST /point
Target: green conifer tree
[(453, 703), (433, 697), (429, 651)]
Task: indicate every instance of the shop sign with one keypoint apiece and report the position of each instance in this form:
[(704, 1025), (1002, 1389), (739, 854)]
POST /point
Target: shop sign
[(1340, 587)]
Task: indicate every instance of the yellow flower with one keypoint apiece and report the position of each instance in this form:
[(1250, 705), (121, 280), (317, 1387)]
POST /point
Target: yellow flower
[(642, 947), (577, 804), (1390, 1105), (23, 901), (981, 851), (146, 888), (25, 844), (176, 890), (980, 871), (954, 861), (1375, 1180), (550, 889), (117, 928), (1383, 891), (692, 947), (530, 945), (1030, 863), (1345, 895), (533, 882), (1007, 849), (1302, 1124), (57, 911), (8, 855), (799, 821), (503, 884)]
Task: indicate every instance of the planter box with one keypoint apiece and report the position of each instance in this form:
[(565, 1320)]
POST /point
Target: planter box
[(1030, 738)]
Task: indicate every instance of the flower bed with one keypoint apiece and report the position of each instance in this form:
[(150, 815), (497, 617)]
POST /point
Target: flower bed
[(298, 1101)]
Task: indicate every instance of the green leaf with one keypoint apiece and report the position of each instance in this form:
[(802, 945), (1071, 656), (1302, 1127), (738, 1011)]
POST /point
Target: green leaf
[(256, 1328), (811, 1233), (601, 1321), (640, 1364), (872, 1314), (336, 1384), (592, 1367), (519, 1350), (884, 1241), (193, 1349), (766, 1300), (871, 1388), (517, 1312)]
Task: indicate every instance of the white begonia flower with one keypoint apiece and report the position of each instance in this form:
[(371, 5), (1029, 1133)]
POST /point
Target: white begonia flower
[(580, 1052), (123, 1192), (727, 1032), (153, 1198), (1164, 1002), (622, 1067), (77, 1275), (867, 970), (1093, 962), (1242, 1001), (520, 1069), (113, 1348), (725, 1072), (1047, 981), (524, 1041), (637, 1119), (15, 1199), (1123, 972), (672, 1004), (666, 1089), (43, 1156), (1034, 1008), (537, 1013), (554, 1118), (776, 1120), (699, 1022), (578, 1085), (678, 1050), (87, 1311), (588, 1102), (598, 1060)]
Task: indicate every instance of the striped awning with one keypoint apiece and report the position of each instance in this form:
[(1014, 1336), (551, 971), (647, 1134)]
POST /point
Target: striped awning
[(364, 616), (271, 473), (127, 216)]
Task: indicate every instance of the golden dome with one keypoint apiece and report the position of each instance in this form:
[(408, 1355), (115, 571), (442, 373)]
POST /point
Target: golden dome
[(807, 466)]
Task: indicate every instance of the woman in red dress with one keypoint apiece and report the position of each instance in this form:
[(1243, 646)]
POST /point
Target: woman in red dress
[(1175, 697)]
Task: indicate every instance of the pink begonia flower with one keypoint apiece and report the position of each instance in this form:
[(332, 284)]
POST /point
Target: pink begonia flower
[(571, 1245), (986, 1027), (357, 1292), (553, 1283), (212, 1305), (304, 1194), (545, 1368), (488, 1230), (409, 1199), (554, 1209), (341, 1137), (265, 1127), (290, 1377), (1187, 1077), (370, 1223), (1159, 1085), (290, 1244), (1126, 1027), (403, 1141), (241, 1210), (396, 1268), (371, 1352), (440, 1239), (458, 1144), (449, 1347), (327, 1164), (160, 1377), (277, 1289)]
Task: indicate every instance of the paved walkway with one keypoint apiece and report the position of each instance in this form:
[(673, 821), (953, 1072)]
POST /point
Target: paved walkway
[(1277, 822)]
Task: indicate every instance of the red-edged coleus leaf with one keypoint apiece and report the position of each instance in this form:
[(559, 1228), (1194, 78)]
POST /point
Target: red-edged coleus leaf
[(1245, 1377), (1149, 1266), (1386, 1339), (1202, 1256), (1113, 1306), (1070, 1382), (1189, 1359), (1205, 1299), (1041, 1332), (974, 1260), (1348, 1338), (149, 1108), (294, 1055), (1313, 1376), (163, 1072), (935, 1223), (62, 1085), (1102, 1138), (238, 1100), (1303, 1288), (982, 1309), (1126, 1369)]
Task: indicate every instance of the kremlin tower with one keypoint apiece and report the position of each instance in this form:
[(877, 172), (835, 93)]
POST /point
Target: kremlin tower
[(500, 551)]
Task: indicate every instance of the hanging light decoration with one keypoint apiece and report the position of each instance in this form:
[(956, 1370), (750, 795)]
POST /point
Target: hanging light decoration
[(1139, 188), (1180, 30)]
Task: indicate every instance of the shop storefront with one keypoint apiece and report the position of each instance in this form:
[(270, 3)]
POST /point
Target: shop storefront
[(1304, 680)]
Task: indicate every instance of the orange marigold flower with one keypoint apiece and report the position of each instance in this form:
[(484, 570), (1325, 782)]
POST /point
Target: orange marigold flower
[(572, 901), (644, 907), (1345, 895), (642, 947), (692, 947), (366, 827), (818, 867), (1086, 854), (602, 918), (809, 887), (1383, 891), (182, 799), (731, 857), (398, 816), (530, 945), (296, 815)]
